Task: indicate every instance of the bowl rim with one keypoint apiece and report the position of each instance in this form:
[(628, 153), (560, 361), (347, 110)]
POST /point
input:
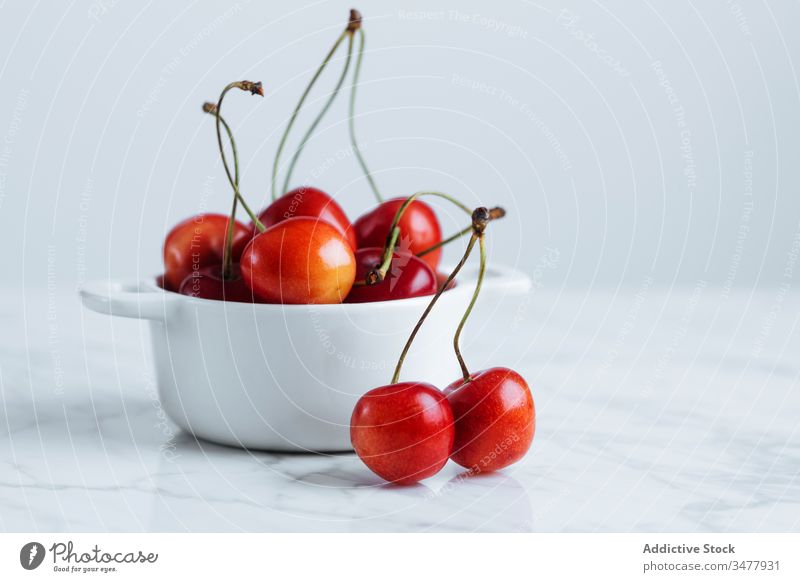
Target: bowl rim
[(144, 298), (410, 302)]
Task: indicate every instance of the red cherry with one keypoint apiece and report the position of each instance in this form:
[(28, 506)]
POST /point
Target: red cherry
[(408, 276), (312, 202), (403, 432), (299, 260), (495, 419), (207, 283), (199, 242), (419, 228)]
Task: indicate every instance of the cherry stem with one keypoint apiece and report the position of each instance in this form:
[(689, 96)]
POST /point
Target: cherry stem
[(352, 124), (227, 253), (494, 214), (478, 283), (428, 309), (353, 24), (296, 111), (480, 218), (321, 114), (211, 109), (378, 274)]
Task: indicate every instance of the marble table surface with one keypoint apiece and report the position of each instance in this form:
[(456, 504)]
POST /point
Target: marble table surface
[(658, 410)]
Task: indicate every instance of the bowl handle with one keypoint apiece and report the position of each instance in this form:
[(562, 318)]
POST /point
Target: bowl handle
[(498, 278), (136, 299)]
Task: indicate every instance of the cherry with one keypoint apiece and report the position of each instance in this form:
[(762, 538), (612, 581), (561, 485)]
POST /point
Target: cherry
[(403, 432), (299, 260), (208, 283), (199, 242), (419, 227), (408, 276), (308, 201), (494, 411), (495, 419)]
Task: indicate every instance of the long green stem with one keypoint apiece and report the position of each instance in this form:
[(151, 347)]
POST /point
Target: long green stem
[(353, 24), (211, 109), (352, 123), (320, 115), (428, 309), (480, 218), (227, 253), (297, 109), (446, 241), (478, 283)]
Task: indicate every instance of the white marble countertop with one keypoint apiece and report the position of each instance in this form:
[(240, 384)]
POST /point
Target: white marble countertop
[(658, 410)]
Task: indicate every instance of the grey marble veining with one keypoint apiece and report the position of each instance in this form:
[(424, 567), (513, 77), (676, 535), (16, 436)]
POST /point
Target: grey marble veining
[(657, 411)]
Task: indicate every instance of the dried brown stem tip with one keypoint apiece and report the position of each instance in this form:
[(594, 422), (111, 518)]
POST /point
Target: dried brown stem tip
[(254, 88), (374, 277), (209, 107), (355, 21), (480, 218), (496, 212)]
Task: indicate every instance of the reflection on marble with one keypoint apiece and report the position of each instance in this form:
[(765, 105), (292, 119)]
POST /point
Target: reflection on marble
[(657, 411)]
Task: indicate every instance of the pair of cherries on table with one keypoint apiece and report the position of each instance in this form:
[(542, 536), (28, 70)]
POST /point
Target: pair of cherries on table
[(406, 431), (308, 253)]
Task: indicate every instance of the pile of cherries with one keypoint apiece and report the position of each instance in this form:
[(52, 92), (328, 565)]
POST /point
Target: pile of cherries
[(302, 249)]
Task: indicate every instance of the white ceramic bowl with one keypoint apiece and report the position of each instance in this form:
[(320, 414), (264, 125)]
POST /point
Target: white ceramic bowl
[(286, 377)]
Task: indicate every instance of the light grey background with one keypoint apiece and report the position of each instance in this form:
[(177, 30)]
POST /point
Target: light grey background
[(628, 141)]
